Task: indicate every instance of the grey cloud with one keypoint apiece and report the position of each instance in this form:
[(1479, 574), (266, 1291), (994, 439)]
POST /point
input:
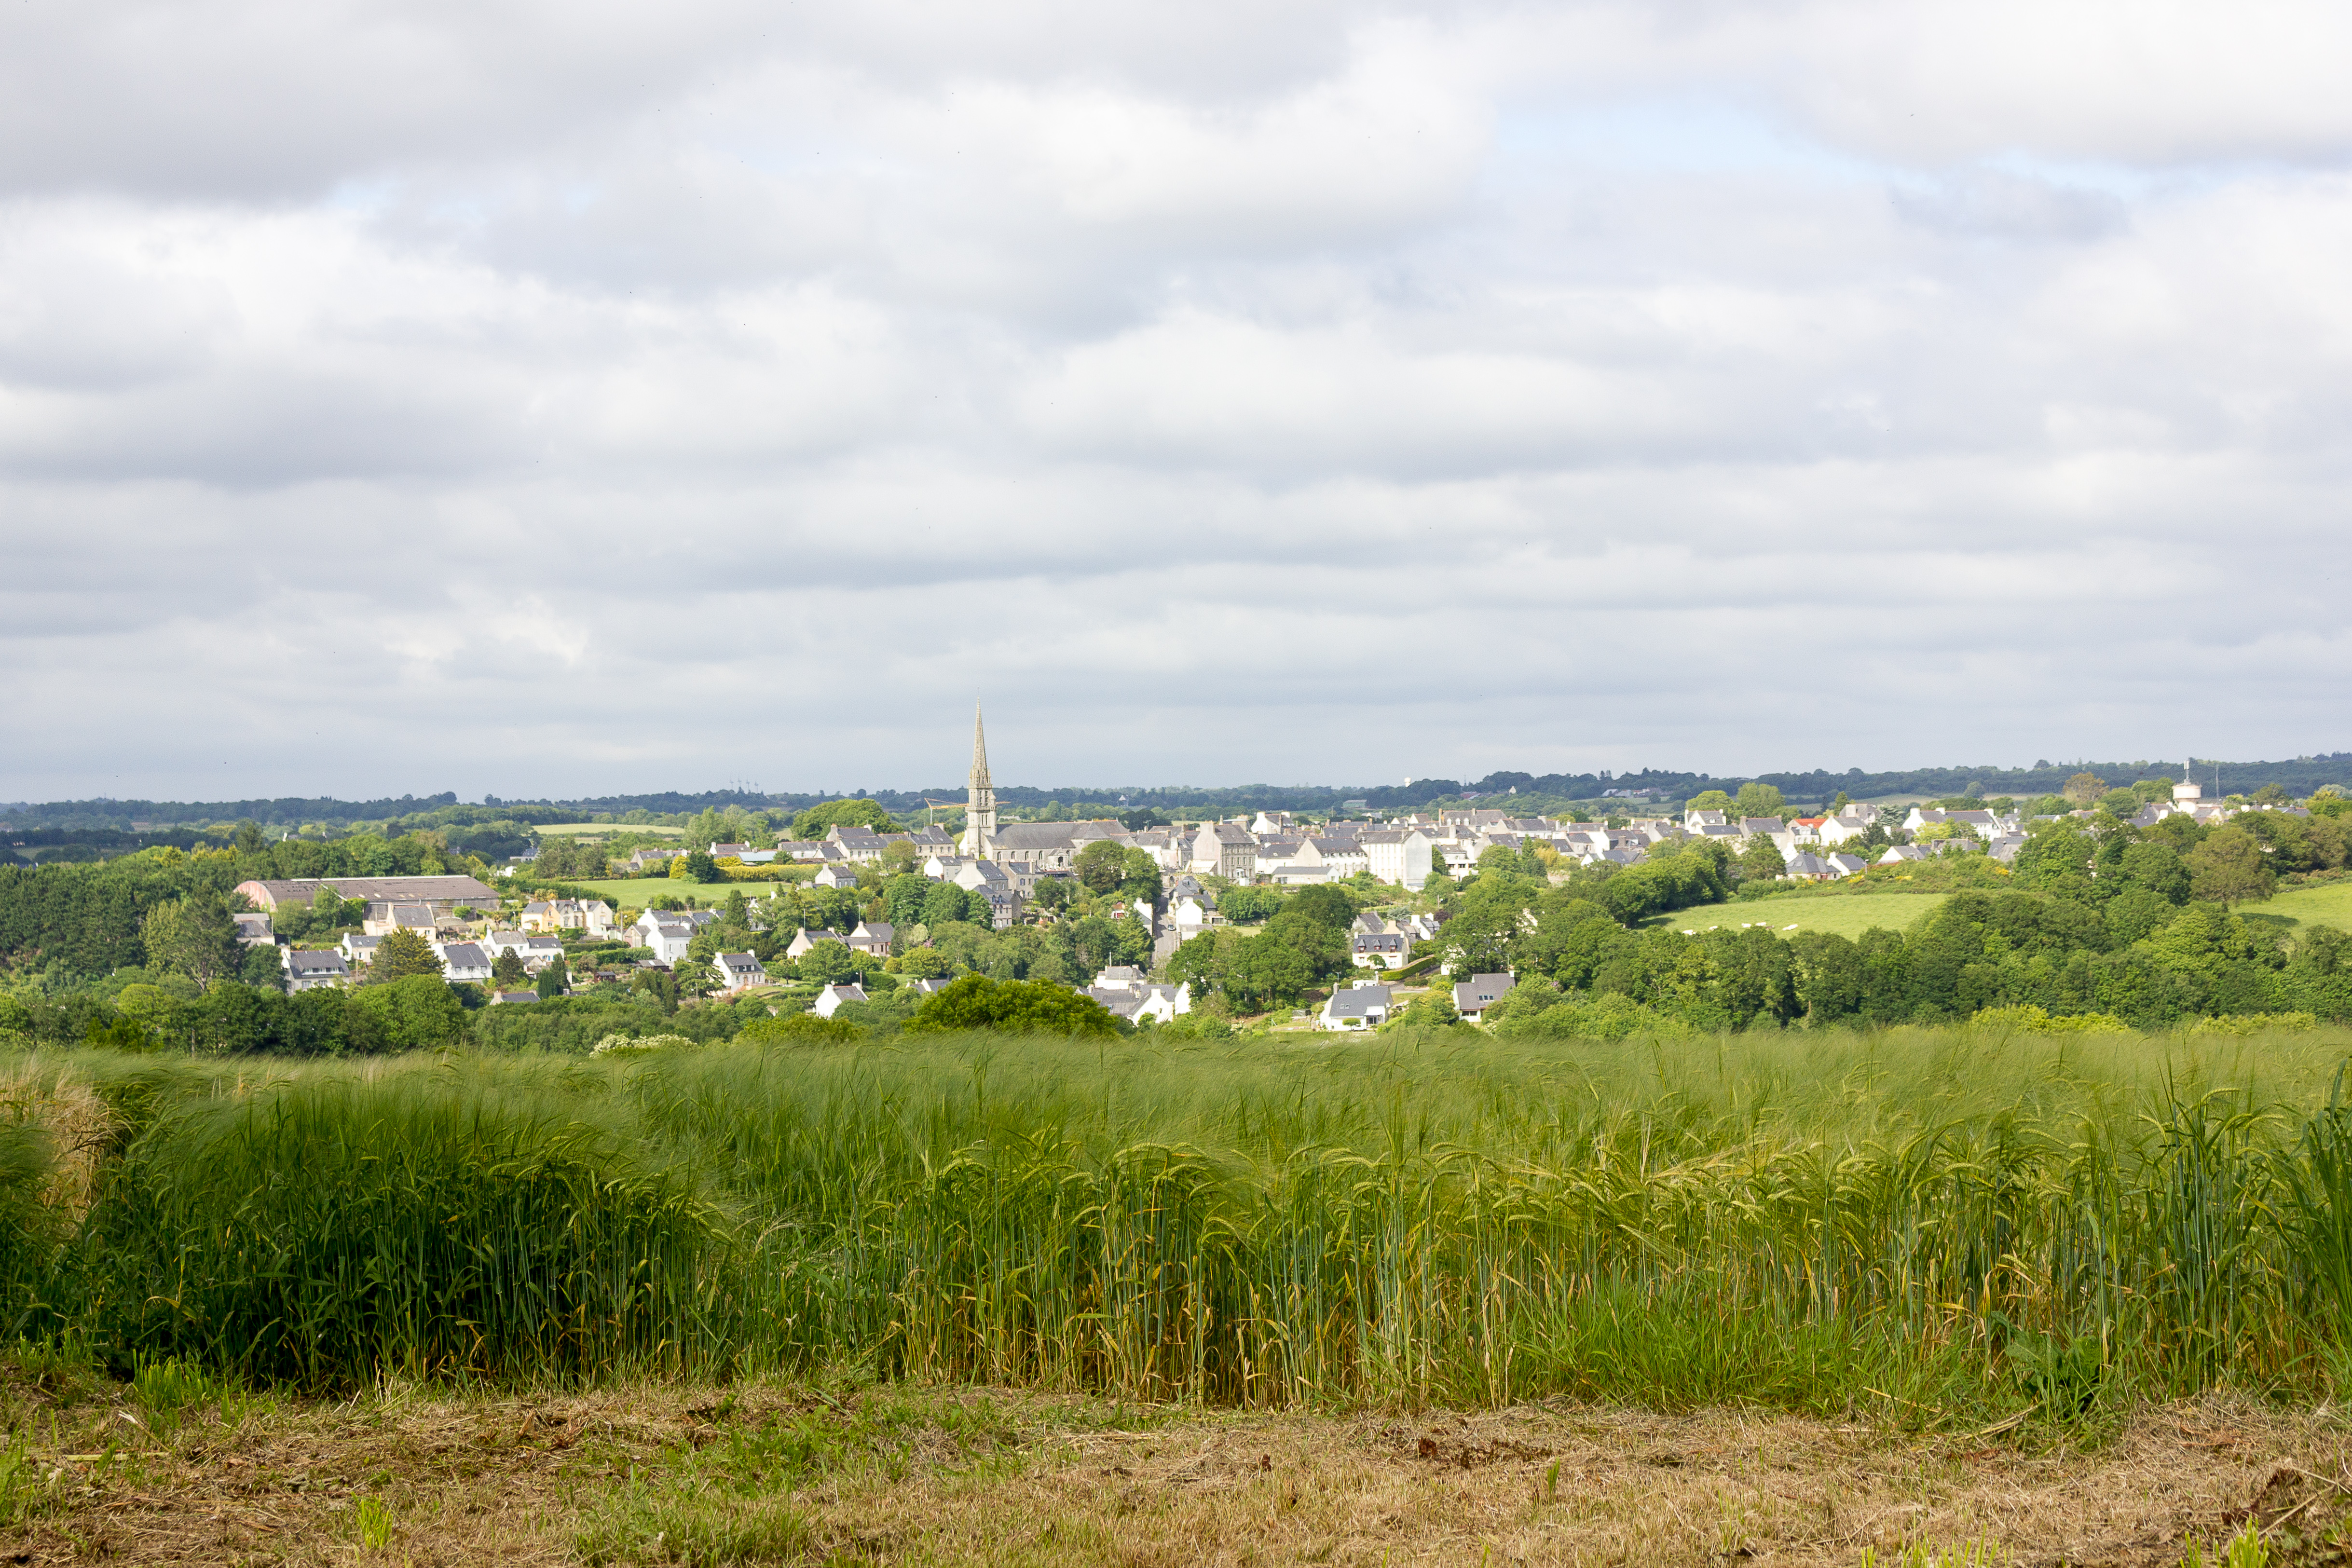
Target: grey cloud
[(1213, 393), (1996, 204)]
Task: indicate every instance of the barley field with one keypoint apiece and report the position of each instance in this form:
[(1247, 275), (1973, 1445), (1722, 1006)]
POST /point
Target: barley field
[(1930, 1226)]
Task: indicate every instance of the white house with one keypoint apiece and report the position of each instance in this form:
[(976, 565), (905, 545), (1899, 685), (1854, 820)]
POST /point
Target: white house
[(593, 915), (1473, 996), (1363, 1006), (534, 951), (832, 875), (736, 970), (664, 933), (804, 939), (307, 970), (833, 999), (253, 930), (1845, 865), (358, 949), (873, 938), (464, 961), (1381, 949)]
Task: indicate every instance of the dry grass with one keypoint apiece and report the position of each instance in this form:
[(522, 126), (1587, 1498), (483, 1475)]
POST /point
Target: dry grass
[(82, 1129), (772, 1473)]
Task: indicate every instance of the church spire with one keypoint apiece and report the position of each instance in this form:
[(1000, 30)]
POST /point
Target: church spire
[(979, 798)]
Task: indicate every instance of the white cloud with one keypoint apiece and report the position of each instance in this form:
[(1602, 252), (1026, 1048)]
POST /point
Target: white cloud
[(485, 397)]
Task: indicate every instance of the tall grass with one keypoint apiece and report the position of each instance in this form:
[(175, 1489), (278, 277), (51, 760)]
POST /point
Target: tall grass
[(1936, 1222)]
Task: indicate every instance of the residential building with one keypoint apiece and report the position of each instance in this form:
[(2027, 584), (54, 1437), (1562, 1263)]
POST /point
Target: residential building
[(358, 949), (873, 936), (1363, 1006), (593, 915), (833, 999), (253, 930), (1473, 996), (665, 933), (1381, 949), (307, 969), (464, 961), (804, 939), (535, 951), (383, 919), (736, 970)]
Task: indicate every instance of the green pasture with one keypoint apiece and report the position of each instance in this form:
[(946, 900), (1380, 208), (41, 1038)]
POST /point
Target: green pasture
[(1846, 915), (637, 891), (605, 829), (2329, 903)]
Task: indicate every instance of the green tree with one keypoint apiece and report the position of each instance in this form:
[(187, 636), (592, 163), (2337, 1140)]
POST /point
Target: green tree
[(1102, 865), (1011, 1007), (1710, 800), (700, 867), (400, 954), (945, 904), (2229, 866), (2084, 788), (1761, 861), (552, 981), (508, 972), (1760, 801), (419, 1013), (193, 936), (813, 823), (828, 962)]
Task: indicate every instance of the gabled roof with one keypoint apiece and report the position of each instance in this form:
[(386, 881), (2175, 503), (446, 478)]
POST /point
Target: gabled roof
[(1358, 1001)]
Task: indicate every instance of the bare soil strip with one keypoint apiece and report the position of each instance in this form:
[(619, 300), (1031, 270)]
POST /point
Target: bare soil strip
[(774, 1473)]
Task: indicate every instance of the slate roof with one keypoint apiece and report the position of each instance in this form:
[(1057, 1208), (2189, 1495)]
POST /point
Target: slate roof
[(374, 890)]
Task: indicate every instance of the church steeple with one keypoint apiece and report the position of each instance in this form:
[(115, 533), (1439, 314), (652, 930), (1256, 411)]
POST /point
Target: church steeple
[(980, 798)]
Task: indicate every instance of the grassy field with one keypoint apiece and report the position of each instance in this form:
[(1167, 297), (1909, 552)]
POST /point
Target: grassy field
[(788, 1472), (607, 829), (2329, 903), (1849, 916), (1817, 1221), (1852, 914), (1431, 1297), (633, 893)]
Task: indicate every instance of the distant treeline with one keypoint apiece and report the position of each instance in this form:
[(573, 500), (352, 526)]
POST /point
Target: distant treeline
[(2298, 776)]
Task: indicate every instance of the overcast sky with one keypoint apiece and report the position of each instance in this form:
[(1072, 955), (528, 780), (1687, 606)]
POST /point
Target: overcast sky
[(572, 399)]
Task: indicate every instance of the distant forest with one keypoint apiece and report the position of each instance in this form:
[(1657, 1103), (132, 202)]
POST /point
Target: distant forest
[(60, 822)]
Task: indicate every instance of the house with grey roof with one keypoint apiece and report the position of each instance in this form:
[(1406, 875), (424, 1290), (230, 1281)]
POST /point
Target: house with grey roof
[(833, 999), (308, 969), (1473, 996), (736, 970), (874, 937), (464, 961), (804, 939), (1352, 1009)]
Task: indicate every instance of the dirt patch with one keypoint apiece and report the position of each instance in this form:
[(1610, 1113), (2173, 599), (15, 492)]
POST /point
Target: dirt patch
[(772, 1473)]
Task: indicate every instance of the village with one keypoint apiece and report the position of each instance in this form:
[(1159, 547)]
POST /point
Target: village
[(522, 948)]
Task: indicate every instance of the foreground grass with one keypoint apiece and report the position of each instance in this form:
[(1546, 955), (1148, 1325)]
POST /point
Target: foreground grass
[(789, 1472), (1954, 1224)]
